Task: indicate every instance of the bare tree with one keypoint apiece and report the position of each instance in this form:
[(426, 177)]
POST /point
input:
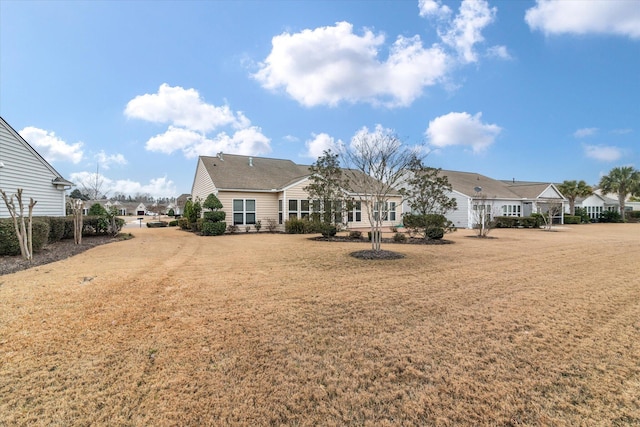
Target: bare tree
[(483, 213), (94, 187), (549, 209), (77, 206), (376, 164), (24, 232)]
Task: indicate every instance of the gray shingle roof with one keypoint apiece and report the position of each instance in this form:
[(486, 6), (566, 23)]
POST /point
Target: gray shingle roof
[(232, 171), (466, 182)]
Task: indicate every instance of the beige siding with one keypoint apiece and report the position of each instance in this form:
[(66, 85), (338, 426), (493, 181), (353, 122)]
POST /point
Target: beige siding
[(202, 183), (25, 169), (365, 223), (266, 205)]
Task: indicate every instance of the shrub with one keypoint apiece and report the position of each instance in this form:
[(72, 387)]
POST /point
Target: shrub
[(173, 223), (393, 229), (231, 228), (96, 209), (572, 219), (584, 216), (530, 222), (432, 226), (506, 221), (197, 226), (610, 216), (272, 225), (399, 237), (214, 216), (9, 244), (247, 228), (156, 224), (57, 226), (183, 223), (328, 230), (213, 228), (355, 234), (258, 226), (296, 226), (212, 202), (171, 212), (435, 233)]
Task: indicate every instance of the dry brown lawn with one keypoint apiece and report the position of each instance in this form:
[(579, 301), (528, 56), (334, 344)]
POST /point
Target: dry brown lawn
[(528, 328)]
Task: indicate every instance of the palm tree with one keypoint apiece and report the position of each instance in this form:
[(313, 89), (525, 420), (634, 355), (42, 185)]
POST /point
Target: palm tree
[(574, 189), (623, 180)]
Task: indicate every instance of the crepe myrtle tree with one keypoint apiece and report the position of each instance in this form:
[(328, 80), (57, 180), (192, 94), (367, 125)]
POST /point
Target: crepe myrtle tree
[(377, 163), (24, 231), (426, 190)]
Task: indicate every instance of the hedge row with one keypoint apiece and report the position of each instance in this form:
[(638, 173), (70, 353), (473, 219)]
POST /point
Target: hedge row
[(49, 229), (517, 221)]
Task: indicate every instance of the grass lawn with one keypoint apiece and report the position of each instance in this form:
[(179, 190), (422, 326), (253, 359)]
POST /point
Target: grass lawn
[(528, 328)]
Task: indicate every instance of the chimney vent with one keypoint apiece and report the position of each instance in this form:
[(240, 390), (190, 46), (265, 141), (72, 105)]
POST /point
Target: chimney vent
[(251, 161), (220, 156)]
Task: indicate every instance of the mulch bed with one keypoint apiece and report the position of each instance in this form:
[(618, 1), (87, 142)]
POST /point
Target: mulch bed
[(52, 252), (408, 241)]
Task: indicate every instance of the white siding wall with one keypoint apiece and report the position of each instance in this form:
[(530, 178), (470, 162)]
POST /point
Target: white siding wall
[(24, 169), (202, 183), (461, 217)]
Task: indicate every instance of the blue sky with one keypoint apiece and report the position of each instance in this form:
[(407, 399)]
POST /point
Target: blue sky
[(533, 90)]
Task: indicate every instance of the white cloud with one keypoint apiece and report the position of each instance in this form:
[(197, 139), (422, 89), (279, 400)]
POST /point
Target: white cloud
[(156, 187), (466, 29), (249, 141), (498, 52), (603, 153), (462, 129), (333, 64), (52, 148), (190, 119), (320, 143), (618, 17), (625, 131), (183, 107), (433, 8), (328, 65), (584, 132), (107, 160)]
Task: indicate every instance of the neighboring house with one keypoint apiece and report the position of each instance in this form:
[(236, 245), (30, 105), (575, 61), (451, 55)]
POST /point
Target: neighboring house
[(255, 189), (595, 204), (180, 202), (476, 193), (22, 167)]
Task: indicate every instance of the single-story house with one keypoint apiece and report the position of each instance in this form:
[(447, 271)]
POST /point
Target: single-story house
[(22, 167), (478, 194), (255, 189)]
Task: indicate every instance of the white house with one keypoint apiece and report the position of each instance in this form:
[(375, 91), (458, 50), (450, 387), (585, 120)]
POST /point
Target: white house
[(476, 193), (22, 167)]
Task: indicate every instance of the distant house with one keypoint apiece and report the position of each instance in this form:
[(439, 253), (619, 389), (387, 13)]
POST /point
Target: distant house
[(22, 167), (475, 192), (255, 189), (180, 202)]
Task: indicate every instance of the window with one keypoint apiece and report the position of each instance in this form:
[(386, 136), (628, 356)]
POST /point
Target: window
[(355, 214), (304, 209), (293, 209), (244, 211), (511, 210), (280, 211), (388, 211)]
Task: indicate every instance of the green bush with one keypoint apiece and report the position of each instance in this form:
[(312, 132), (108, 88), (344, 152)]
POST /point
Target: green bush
[(96, 209), (212, 202), (530, 221), (301, 226), (610, 216), (157, 224), (328, 230), (173, 223), (57, 227), (432, 226), (215, 216), (435, 233), (183, 223), (197, 226), (9, 240), (399, 237), (584, 216), (232, 228), (213, 228), (171, 212), (506, 221), (572, 219)]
